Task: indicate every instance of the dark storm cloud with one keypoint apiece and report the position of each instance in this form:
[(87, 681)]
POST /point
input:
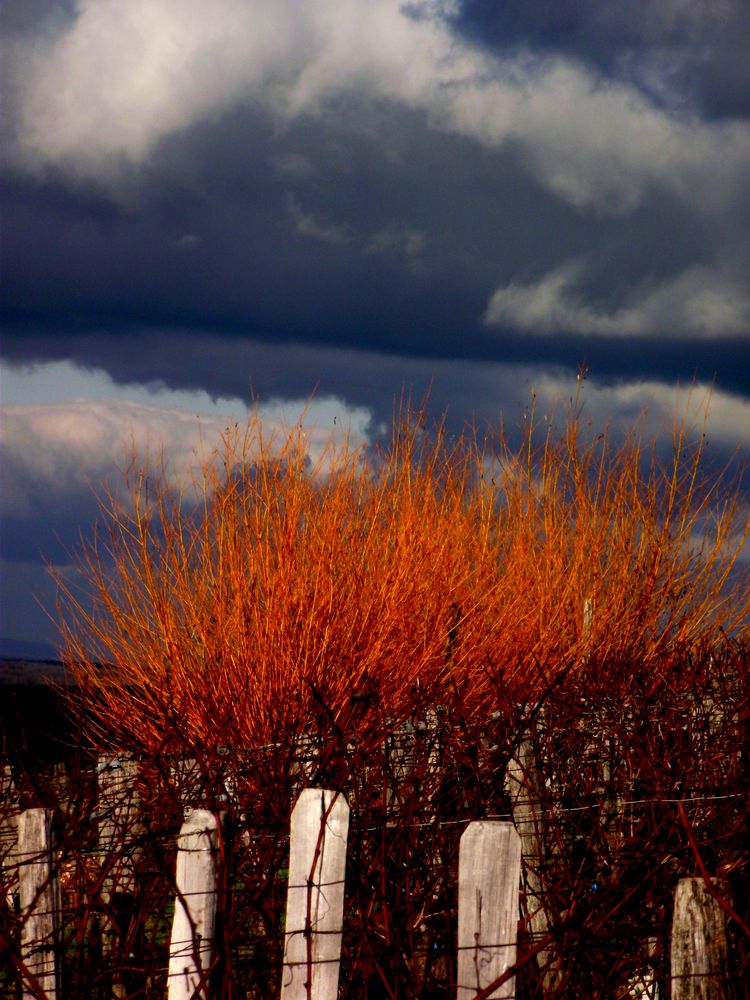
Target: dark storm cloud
[(33, 16), (681, 51), (391, 237), (362, 219), (419, 242)]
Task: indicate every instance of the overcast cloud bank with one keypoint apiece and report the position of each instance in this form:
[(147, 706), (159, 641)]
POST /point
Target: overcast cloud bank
[(97, 95)]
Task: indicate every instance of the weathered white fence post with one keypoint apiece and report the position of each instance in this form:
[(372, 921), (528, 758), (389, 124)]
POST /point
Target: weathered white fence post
[(191, 947), (699, 949), (39, 892), (119, 808), (489, 873), (119, 826), (315, 896)]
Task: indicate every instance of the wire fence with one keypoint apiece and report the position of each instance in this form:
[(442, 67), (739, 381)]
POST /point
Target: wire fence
[(615, 802)]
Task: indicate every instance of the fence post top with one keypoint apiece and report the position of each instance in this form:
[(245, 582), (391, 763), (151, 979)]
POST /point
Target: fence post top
[(198, 821), (492, 827), (329, 798)]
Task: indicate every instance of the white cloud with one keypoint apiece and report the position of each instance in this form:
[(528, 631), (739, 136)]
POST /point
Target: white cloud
[(699, 303), (121, 76), (62, 449), (725, 417), (64, 382), (56, 450)]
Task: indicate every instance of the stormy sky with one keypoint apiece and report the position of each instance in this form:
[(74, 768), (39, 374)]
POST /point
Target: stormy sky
[(352, 199)]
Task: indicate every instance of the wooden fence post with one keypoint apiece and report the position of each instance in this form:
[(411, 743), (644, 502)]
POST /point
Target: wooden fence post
[(489, 873), (400, 750), (119, 826), (699, 949), (304, 761), (523, 783), (119, 808), (9, 812), (315, 896), (191, 947), (39, 892), (186, 780)]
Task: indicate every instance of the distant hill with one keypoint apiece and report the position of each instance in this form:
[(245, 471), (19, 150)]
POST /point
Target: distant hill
[(20, 672), (25, 650)]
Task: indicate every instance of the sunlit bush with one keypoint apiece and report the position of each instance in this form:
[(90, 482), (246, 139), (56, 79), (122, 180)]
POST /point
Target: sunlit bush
[(453, 571)]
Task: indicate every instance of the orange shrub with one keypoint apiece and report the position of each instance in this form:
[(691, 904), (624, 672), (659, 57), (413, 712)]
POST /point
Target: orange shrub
[(453, 571)]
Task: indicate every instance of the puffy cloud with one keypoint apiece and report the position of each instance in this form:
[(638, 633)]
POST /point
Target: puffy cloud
[(55, 452), (700, 303), (723, 416), (70, 431), (57, 449), (118, 78)]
